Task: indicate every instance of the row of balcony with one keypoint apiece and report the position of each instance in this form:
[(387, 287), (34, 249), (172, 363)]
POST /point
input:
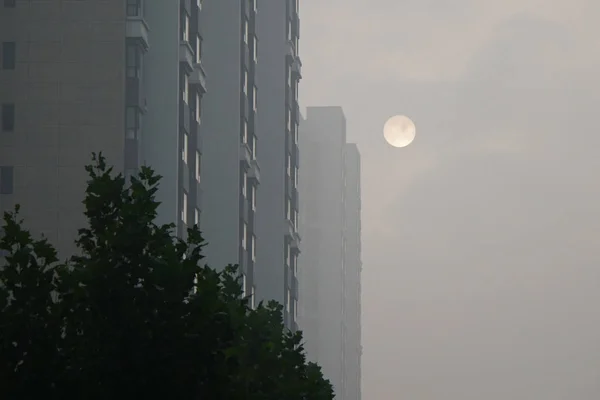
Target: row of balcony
[(137, 28)]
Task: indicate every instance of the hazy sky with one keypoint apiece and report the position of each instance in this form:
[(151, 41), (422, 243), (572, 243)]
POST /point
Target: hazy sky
[(481, 239)]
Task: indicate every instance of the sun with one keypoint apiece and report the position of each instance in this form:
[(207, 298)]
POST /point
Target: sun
[(399, 131)]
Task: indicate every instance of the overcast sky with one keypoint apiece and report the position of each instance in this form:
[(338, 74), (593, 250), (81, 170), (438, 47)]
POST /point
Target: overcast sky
[(481, 239)]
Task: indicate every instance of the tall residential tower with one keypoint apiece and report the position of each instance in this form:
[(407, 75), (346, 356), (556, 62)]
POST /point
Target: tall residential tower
[(330, 263), (322, 214), (276, 221), (231, 173), (118, 76), (352, 276)]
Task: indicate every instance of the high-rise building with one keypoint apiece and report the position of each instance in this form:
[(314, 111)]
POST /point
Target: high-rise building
[(352, 276), (122, 77), (231, 173), (276, 222), (322, 227), (330, 264)]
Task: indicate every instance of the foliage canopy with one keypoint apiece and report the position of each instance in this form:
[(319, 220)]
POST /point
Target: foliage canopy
[(136, 313)]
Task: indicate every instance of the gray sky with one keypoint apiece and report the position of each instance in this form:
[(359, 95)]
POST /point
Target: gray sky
[(481, 239)]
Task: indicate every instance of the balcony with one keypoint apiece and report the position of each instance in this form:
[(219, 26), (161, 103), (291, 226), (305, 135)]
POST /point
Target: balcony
[(184, 116), (290, 231), (291, 49), (245, 155), (137, 28), (254, 172), (297, 113), (198, 76), (297, 67), (186, 56)]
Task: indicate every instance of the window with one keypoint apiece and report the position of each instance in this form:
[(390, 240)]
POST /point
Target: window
[(243, 285), (296, 90), (10, 3), (254, 143), (8, 117), (133, 61), (132, 121), (296, 177), (134, 8), (198, 109), (199, 4), (184, 205), (288, 299), (245, 30), (244, 231), (288, 210), (244, 131), (9, 55), (6, 180), (253, 199), (253, 248), (288, 165), (198, 48), (295, 132), (255, 48), (255, 98), (184, 150), (198, 165), (244, 184), (196, 216), (253, 297), (185, 27), (288, 119), (185, 88), (295, 266), (295, 309), (245, 81)]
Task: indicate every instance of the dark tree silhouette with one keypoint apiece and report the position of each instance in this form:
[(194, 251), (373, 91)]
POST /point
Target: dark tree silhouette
[(136, 314)]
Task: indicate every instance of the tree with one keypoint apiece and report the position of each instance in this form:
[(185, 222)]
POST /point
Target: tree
[(135, 313), (29, 322)]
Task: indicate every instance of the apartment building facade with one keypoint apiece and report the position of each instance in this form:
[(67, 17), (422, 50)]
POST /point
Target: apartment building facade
[(322, 227), (231, 172), (277, 121), (119, 77)]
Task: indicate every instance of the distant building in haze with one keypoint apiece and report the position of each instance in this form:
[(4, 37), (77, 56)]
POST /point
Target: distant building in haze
[(352, 276), (330, 262)]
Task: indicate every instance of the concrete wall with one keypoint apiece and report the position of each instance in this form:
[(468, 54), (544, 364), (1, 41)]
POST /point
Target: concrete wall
[(68, 90)]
